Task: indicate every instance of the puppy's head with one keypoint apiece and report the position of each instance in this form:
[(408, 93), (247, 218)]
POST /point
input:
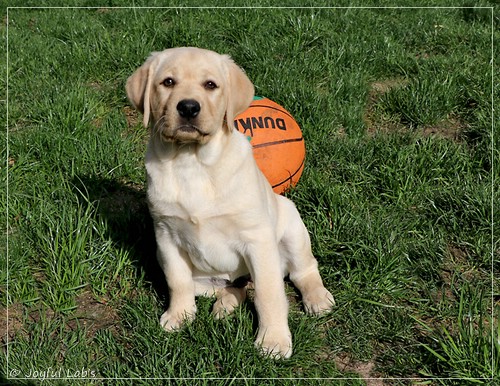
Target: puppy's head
[(188, 94)]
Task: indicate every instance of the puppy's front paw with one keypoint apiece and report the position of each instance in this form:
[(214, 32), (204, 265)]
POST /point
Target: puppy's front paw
[(172, 321), (318, 302), (275, 342)]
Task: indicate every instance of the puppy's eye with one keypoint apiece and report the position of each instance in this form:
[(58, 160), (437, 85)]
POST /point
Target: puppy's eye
[(168, 82), (210, 85)]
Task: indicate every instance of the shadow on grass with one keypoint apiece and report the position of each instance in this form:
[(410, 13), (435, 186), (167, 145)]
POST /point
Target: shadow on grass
[(124, 209)]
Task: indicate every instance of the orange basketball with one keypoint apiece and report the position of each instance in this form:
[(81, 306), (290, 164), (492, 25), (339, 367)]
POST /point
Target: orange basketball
[(278, 145)]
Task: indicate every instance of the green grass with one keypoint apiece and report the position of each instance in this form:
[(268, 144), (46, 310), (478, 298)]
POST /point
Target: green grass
[(399, 193)]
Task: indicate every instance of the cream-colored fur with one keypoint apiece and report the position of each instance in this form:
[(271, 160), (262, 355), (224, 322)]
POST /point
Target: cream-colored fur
[(216, 217)]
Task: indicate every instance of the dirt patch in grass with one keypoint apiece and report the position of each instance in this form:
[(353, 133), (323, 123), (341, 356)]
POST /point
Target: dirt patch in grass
[(450, 128), (374, 120), (377, 121), (455, 269), (381, 87), (11, 322), (365, 370), (134, 127), (90, 313), (94, 314), (460, 260), (132, 116)]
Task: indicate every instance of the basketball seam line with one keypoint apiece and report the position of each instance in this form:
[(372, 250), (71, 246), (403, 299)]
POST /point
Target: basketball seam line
[(289, 178), (278, 142)]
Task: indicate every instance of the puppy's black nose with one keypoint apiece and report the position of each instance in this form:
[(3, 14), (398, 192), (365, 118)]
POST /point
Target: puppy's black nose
[(188, 108)]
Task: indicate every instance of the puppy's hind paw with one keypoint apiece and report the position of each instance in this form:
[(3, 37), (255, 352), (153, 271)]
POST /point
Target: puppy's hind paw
[(318, 302), (227, 300), (221, 310)]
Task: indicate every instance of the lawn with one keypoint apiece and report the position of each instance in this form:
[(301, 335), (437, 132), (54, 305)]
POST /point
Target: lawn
[(400, 192)]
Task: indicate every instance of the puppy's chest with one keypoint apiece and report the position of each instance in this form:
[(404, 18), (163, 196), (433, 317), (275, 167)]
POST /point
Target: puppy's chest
[(211, 244), (195, 220)]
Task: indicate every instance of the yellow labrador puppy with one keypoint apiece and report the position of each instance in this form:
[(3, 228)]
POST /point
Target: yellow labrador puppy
[(216, 217)]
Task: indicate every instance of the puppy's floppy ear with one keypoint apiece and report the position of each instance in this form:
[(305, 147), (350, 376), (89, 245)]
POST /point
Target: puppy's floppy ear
[(139, 86), (240, 92)]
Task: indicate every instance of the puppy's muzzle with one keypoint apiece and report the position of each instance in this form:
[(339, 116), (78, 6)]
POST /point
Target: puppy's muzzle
[(188, 129), (188, 108)]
